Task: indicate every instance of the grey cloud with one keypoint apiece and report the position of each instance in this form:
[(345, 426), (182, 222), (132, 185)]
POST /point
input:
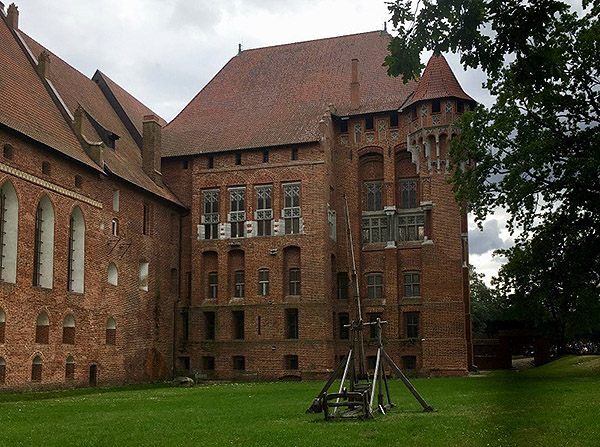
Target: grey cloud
[(482, 241)]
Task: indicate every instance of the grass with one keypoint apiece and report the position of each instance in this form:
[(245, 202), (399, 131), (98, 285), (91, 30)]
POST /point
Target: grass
[(557, 404)]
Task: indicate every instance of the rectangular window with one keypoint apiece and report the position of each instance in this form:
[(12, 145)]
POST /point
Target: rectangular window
[(211, 162), (146, 219), (436, 106), (71, 260), (239, 362), (209, 325), (373, 327), (344, 126), (265, 156), (239, 284), (394, 120), (409, 362), (238, 159), (375, 285), (411, 320), (331, 221), (411, 227), (238, 324), (264, 209), (210, 216), (408, 190), (263, 282), (291, 318), (342, 286), (344, 320), (116, 199), (412, 284), (208, 363), (213, 285), (374, 194), (294, 153), (144, 275), (375, 229), (291, 362), (294, 281), (369, 123), (291, 208), (237, 212)]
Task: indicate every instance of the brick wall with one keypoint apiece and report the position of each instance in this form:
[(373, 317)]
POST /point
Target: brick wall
[(144, 320)]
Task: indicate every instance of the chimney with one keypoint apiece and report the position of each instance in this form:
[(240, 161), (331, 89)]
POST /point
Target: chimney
[(12, 16), (151, 148), (43, 63), (354, 87)]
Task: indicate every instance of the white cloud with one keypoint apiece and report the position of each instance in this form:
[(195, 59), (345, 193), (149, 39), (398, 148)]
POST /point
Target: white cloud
[(164, 52)]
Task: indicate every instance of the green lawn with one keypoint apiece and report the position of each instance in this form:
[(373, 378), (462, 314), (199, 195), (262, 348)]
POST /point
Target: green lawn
[(556, 405)]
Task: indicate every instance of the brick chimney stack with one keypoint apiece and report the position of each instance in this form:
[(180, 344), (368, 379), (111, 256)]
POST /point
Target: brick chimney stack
[(354, 87), (12, 16), (43, 63), (151, 148)]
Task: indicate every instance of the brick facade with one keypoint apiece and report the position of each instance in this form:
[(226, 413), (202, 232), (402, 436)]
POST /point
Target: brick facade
[(228, 256)]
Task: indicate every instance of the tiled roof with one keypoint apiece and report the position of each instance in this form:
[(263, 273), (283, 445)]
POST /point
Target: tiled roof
[(134, 109), (277, 95), (26, 105), (438, 81), (77, 89)]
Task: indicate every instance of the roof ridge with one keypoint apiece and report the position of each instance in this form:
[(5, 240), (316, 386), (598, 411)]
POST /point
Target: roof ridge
[(313, 40)]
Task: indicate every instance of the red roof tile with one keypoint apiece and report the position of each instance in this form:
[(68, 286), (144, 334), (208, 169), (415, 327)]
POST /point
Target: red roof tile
[(438, 81), (77, 89), (26, 105), (277, 95)]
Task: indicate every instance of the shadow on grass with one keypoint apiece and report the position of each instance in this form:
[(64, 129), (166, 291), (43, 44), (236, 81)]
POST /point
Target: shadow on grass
[(28, 396)]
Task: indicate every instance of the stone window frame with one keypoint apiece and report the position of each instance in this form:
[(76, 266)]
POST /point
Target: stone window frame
[(237, 212), (210, 213), (410, 227), (264, 210), (375, 228), (292, 210)]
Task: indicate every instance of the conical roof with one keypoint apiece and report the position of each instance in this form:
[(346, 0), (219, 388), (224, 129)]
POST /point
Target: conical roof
[(438, 81)]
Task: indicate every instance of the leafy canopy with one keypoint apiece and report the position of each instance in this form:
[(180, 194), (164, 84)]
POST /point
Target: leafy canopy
[(536, 151)]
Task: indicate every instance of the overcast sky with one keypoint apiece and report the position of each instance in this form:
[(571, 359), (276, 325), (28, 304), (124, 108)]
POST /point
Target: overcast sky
[(164, 52)]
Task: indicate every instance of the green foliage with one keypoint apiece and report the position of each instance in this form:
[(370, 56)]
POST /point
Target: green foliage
[(536, 151), (483, 304), (504, 408)]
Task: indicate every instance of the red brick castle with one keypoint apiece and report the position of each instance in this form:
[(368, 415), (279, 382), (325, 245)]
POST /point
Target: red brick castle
[(133, 249)]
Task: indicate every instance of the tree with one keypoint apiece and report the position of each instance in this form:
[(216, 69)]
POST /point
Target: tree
[(536, 151), (483, 305)]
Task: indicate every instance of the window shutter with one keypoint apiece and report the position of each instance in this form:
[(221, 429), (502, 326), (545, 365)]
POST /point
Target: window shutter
[(225, 230), (252, 228)]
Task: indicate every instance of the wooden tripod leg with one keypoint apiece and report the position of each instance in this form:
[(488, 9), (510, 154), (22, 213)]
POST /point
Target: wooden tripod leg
[(316, 406), (411, 388)]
